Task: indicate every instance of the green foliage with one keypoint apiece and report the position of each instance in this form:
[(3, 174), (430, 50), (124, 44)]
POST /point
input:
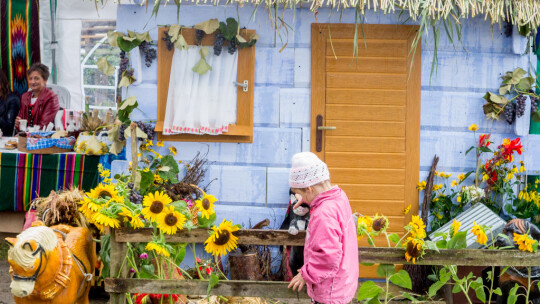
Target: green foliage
[(214, 280), (368, 290)]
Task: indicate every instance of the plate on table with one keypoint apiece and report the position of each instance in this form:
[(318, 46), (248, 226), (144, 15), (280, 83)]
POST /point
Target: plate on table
[(10, 145)]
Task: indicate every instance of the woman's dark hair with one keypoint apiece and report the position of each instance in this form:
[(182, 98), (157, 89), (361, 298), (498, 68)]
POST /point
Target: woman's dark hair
[(42, 69), (4, 85)]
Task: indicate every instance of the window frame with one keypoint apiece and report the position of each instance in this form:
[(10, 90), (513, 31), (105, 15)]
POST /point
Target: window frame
[(242, 131)]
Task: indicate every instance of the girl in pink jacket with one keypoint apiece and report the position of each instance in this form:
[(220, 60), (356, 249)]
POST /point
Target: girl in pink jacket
[(330, 269)]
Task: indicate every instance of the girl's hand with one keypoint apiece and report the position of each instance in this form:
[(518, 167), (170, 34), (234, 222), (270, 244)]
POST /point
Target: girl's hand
[(17, 122), (297, 282)]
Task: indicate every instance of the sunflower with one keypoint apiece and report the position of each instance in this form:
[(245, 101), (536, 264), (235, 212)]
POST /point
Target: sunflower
[(454, 227), (105, 220), (84, 208), (380, 223), (481, 237), (136, 222), (417, 227), (222, 240), (169, 220), (206, 205), (158, 249), (103, 191), (415, 249), (524, 241), (364, 226), (154, 204)]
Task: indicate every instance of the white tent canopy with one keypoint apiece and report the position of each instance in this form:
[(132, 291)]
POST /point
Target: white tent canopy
[(68, 25)]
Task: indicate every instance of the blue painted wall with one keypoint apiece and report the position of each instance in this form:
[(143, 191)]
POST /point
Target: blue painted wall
[(252, 179)]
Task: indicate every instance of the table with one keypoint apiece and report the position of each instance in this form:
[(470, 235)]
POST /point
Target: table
[(24, 177)]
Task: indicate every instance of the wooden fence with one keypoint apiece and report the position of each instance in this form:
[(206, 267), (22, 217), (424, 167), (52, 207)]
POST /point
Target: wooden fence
[(118, 287)]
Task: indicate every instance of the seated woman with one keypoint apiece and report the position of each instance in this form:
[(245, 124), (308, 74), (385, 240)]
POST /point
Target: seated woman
[(40, 105), (9, 106)]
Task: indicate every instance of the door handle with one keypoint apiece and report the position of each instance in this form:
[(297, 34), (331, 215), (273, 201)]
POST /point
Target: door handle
[(324, 128)]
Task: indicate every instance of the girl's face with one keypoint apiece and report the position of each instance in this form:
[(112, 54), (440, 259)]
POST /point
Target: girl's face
[(308, 194), (36, 82)]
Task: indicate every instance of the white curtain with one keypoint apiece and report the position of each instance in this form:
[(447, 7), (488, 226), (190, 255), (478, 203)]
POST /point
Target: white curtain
[(201, 104)]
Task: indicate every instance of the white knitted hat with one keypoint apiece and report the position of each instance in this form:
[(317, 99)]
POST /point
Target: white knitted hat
[(307, 170)]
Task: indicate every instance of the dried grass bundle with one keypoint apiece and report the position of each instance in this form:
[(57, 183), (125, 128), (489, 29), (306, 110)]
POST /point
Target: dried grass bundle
[(61, 208)]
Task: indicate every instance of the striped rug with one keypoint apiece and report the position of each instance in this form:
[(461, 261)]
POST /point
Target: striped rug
[(24, 177)]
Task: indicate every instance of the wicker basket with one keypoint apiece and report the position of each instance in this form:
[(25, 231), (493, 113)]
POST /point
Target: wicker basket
[(21, 146)]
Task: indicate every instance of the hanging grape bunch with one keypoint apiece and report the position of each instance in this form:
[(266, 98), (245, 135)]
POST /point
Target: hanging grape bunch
[(167, 39), (534, 104), (148, 52), (219, 40), (121, 134), (520, 105), (124, 62), (199, 35), (147, 128), (232, 47), (509, 113), (134, 195)]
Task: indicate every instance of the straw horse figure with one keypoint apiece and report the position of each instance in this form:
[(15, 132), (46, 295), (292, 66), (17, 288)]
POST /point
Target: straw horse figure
[(51, 265)]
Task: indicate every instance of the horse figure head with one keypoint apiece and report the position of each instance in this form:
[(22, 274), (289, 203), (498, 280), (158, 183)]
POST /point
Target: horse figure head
[(29, 256)]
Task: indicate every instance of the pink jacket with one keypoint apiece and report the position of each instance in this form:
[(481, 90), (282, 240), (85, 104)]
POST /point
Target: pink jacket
[(331, 250)]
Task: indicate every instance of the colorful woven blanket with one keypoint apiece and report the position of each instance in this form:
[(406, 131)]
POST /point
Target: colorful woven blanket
[(19, 38), (24, 177)]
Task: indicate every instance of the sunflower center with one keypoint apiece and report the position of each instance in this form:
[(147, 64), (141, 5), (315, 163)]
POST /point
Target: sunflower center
[(413, 250), (170, 219), (223, 238), (156, 207), (206, 204), (104, 194), (379, 224)]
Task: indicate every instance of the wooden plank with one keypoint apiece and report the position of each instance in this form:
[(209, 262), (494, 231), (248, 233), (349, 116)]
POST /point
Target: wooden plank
[(117, 254), (365, 160), (236, 288), (367, 48), (366, 97), (368, 176), (318, 82), (367, 31), (366, 64), (245, 236), (464, 257), (377, 192), (371, 207), (364, 144), (366, 113), (413, 127), (366, 128), (366, 80)]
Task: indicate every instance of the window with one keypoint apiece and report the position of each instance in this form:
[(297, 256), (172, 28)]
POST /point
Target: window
[(242, 131)]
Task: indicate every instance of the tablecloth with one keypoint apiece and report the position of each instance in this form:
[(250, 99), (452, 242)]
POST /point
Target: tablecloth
[(24, 177)]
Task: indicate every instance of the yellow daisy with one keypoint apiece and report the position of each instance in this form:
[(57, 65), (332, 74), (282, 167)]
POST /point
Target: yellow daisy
[(461, 176), (421, 185), (206, 205), (473, 127), (455, 183), (170, 220), (407, 210), (173, 150), (158, 249), (154, 204), (222, 240), (159, 144), (478, 231)]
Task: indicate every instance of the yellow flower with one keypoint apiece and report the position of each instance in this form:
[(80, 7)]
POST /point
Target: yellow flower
[(158, 249), (458, 199), (415, 249), (455, 183), (104, 220), (136, 222), (159, 144), (417, 227), (179, 161), (515, 170), (473, 127), (461, 176), (522, 166), (158, 179), (125, 212), (421, 185), (407, 210), (437, 187), (454, 227), (509, 176), (173, 150), (448, 175), (103, 191), (170, 220), (364, 226), (206, 205), (85, 209), (154, 204), (222, 240), (380, 223), (478, 231), (149, 143), (442, 174), (105, 173), (524, 241), (146, 170), (485, 177)]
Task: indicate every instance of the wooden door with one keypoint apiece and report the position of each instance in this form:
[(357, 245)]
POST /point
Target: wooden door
[(373, 100)]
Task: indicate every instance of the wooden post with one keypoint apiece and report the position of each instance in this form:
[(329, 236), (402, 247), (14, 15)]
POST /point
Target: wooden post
[(134, 153), (117, 255)]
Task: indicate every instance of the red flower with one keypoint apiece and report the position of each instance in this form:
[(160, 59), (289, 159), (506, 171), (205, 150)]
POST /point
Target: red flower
[(509, 146), (484, 140), (209, 270), (198, 260)]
